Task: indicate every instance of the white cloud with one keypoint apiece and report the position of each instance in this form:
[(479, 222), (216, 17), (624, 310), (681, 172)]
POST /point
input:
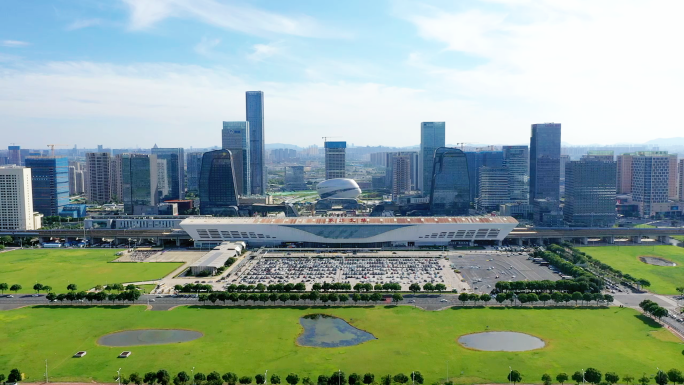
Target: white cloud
[(262, 51), (146, 13), (14, 43), (83, 23), (206, 45)]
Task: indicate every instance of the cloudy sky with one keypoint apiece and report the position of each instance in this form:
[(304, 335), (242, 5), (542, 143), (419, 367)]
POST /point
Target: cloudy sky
[(138, 72)]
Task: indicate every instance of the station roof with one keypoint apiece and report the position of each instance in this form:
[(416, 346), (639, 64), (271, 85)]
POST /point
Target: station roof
[(352, 220)]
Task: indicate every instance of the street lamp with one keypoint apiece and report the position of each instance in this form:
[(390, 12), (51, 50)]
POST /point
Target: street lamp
[(46, 372), (266, 377), (118, 376), (583, 376), (193, 375), (510, 374)]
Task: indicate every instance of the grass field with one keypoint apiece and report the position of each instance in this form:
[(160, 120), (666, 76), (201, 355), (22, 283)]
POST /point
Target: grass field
[(664, 279), (84, 267), (251, 341)]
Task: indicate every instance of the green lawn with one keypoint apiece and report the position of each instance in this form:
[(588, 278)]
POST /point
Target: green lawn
[(251, 341), (84, 267), (664, 279)]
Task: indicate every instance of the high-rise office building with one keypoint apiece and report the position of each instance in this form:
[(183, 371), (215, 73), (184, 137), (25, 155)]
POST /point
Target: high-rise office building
[(545, 154), (672, 177), (650, 180), (163, 186), (217, 191), (116, 176), (175, 171), (590, 192), (450, 191), (564, 159), (194, 161), (432, 137), (235, 137), (335, 159), (14, 155), (16, 199), (517, 161), (139, 183), (257, 145), (624, 174), (477, 160), (401, 174), (282, 154), (494, 188), (413, 163), (50, 184), (98, 177), (294, 178), (681, 180)]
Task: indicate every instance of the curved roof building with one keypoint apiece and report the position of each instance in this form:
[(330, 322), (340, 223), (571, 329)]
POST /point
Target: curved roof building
[(338, 188)]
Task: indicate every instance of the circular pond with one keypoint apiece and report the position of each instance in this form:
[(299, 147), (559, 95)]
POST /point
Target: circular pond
[(148, 337), (656, 261), (501, 341), (326, 331)]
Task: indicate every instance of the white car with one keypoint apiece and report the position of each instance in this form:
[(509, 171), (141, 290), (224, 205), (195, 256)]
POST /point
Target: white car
[(443, 300)]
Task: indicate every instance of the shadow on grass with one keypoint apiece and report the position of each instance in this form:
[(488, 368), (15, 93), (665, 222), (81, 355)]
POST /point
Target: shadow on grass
[(648, 321), (82, 306), (537, 308), (261, 307)]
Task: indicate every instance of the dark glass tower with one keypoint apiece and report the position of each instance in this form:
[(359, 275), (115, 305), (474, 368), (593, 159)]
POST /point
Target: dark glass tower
[(139, 183), (50, 184), (450, 191), (257, 147), (545, 162), (175, 171), (479, 159), (590, 190), (217, 189), (517, 161)]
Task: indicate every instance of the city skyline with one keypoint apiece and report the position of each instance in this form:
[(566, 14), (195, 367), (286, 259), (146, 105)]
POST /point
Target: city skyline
[(486, 68)]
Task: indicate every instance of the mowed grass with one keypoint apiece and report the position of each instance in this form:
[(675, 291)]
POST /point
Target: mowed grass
[(664, 279), (251, 341), (84, 267)]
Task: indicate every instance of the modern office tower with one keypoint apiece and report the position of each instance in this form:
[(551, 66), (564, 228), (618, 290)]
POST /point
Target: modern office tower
[(494, 188), (217, 190), (79, 182), (235, 138), (564, 159), (545, 145), (379, 159), (175, 171), (590, 192), (650, 180), (50, 182), (257, 144), (294, 178), (116, 175), (194, 160), (98, 177), (401, 174), (413, 163), (476, 160), (163, 186), (517, 160), (624, 174), (672, 178), (335, 157), (680, 186), (450, 191), (14, 155), (72, 180), (99, 148), (432, 137), (282, 154), (16, 198), (139, 183)]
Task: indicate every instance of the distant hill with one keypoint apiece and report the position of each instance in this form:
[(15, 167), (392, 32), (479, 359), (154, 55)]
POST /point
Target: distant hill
[(271, 146), (667, 142)]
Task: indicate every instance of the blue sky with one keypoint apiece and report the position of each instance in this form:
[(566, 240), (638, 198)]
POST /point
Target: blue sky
[(138, 72)]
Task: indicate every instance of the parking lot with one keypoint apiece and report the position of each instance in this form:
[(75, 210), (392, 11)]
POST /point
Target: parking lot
[(482, 269)]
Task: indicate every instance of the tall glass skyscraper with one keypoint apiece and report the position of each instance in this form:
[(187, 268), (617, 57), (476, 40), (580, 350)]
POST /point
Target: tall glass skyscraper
[(479, 159), (194, 161), (450, 191), (517, 161), (235, 137), (257, 146), (335, 159), (432, 137), (217, 184), (590, 190), (545, 162), (175, 171), (50, 184), (139, 183)]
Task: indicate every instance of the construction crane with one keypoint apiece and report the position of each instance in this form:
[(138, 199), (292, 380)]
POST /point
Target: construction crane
[(462, 145), (52, 148), (325, 138)]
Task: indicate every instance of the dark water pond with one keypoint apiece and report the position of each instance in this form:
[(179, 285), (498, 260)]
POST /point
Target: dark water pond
[(326, 331), (148, 337), (501, 341), (657, 261)]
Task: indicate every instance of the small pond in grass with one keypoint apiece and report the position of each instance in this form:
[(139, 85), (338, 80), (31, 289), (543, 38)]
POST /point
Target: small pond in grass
[(326, 331), (501, 341), (148, 337)]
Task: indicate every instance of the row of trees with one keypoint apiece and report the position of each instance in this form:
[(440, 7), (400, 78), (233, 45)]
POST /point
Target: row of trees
[(581, 285), (14, 376), (162, 377), (594, 376), (652, 308), (428, 287), (523, 298), (72, 287), (15, 288), (128, 295), (286, 298), (301, 287)]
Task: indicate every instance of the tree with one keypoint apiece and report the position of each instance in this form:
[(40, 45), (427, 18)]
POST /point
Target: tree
[(628, 379), (338, 378), (644, 379), (38, 287), (375, 297), (396, 297), (440, 287), (354, 379), (163, 377), (199, 378), (661, 378), (307, 381), (150, 378), (400, 378), (368, 378), (72, 287), (386, 380), (5, 239), (15, 288), (544, 297), (323, 380), (562, 377), (51, 296), (245, 380), (136, 379), (260, 379), (576, 296), (417, 377), (546, 379), (675, 376), (14, 375), (514, 376), (292, 379), (2, 378), (485, 298), (414, 287), (578, 377), (3, 287), (612, 377), (592, 375), (230, 378), (343, 298), (275, 379), (587, 297), (429, 287), (463, 297), (214, 378)]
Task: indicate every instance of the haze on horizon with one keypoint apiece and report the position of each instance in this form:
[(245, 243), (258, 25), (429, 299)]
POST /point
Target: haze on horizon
[(134, 73)]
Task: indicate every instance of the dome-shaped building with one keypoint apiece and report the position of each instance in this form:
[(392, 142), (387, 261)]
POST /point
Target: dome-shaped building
[(338, 188)]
